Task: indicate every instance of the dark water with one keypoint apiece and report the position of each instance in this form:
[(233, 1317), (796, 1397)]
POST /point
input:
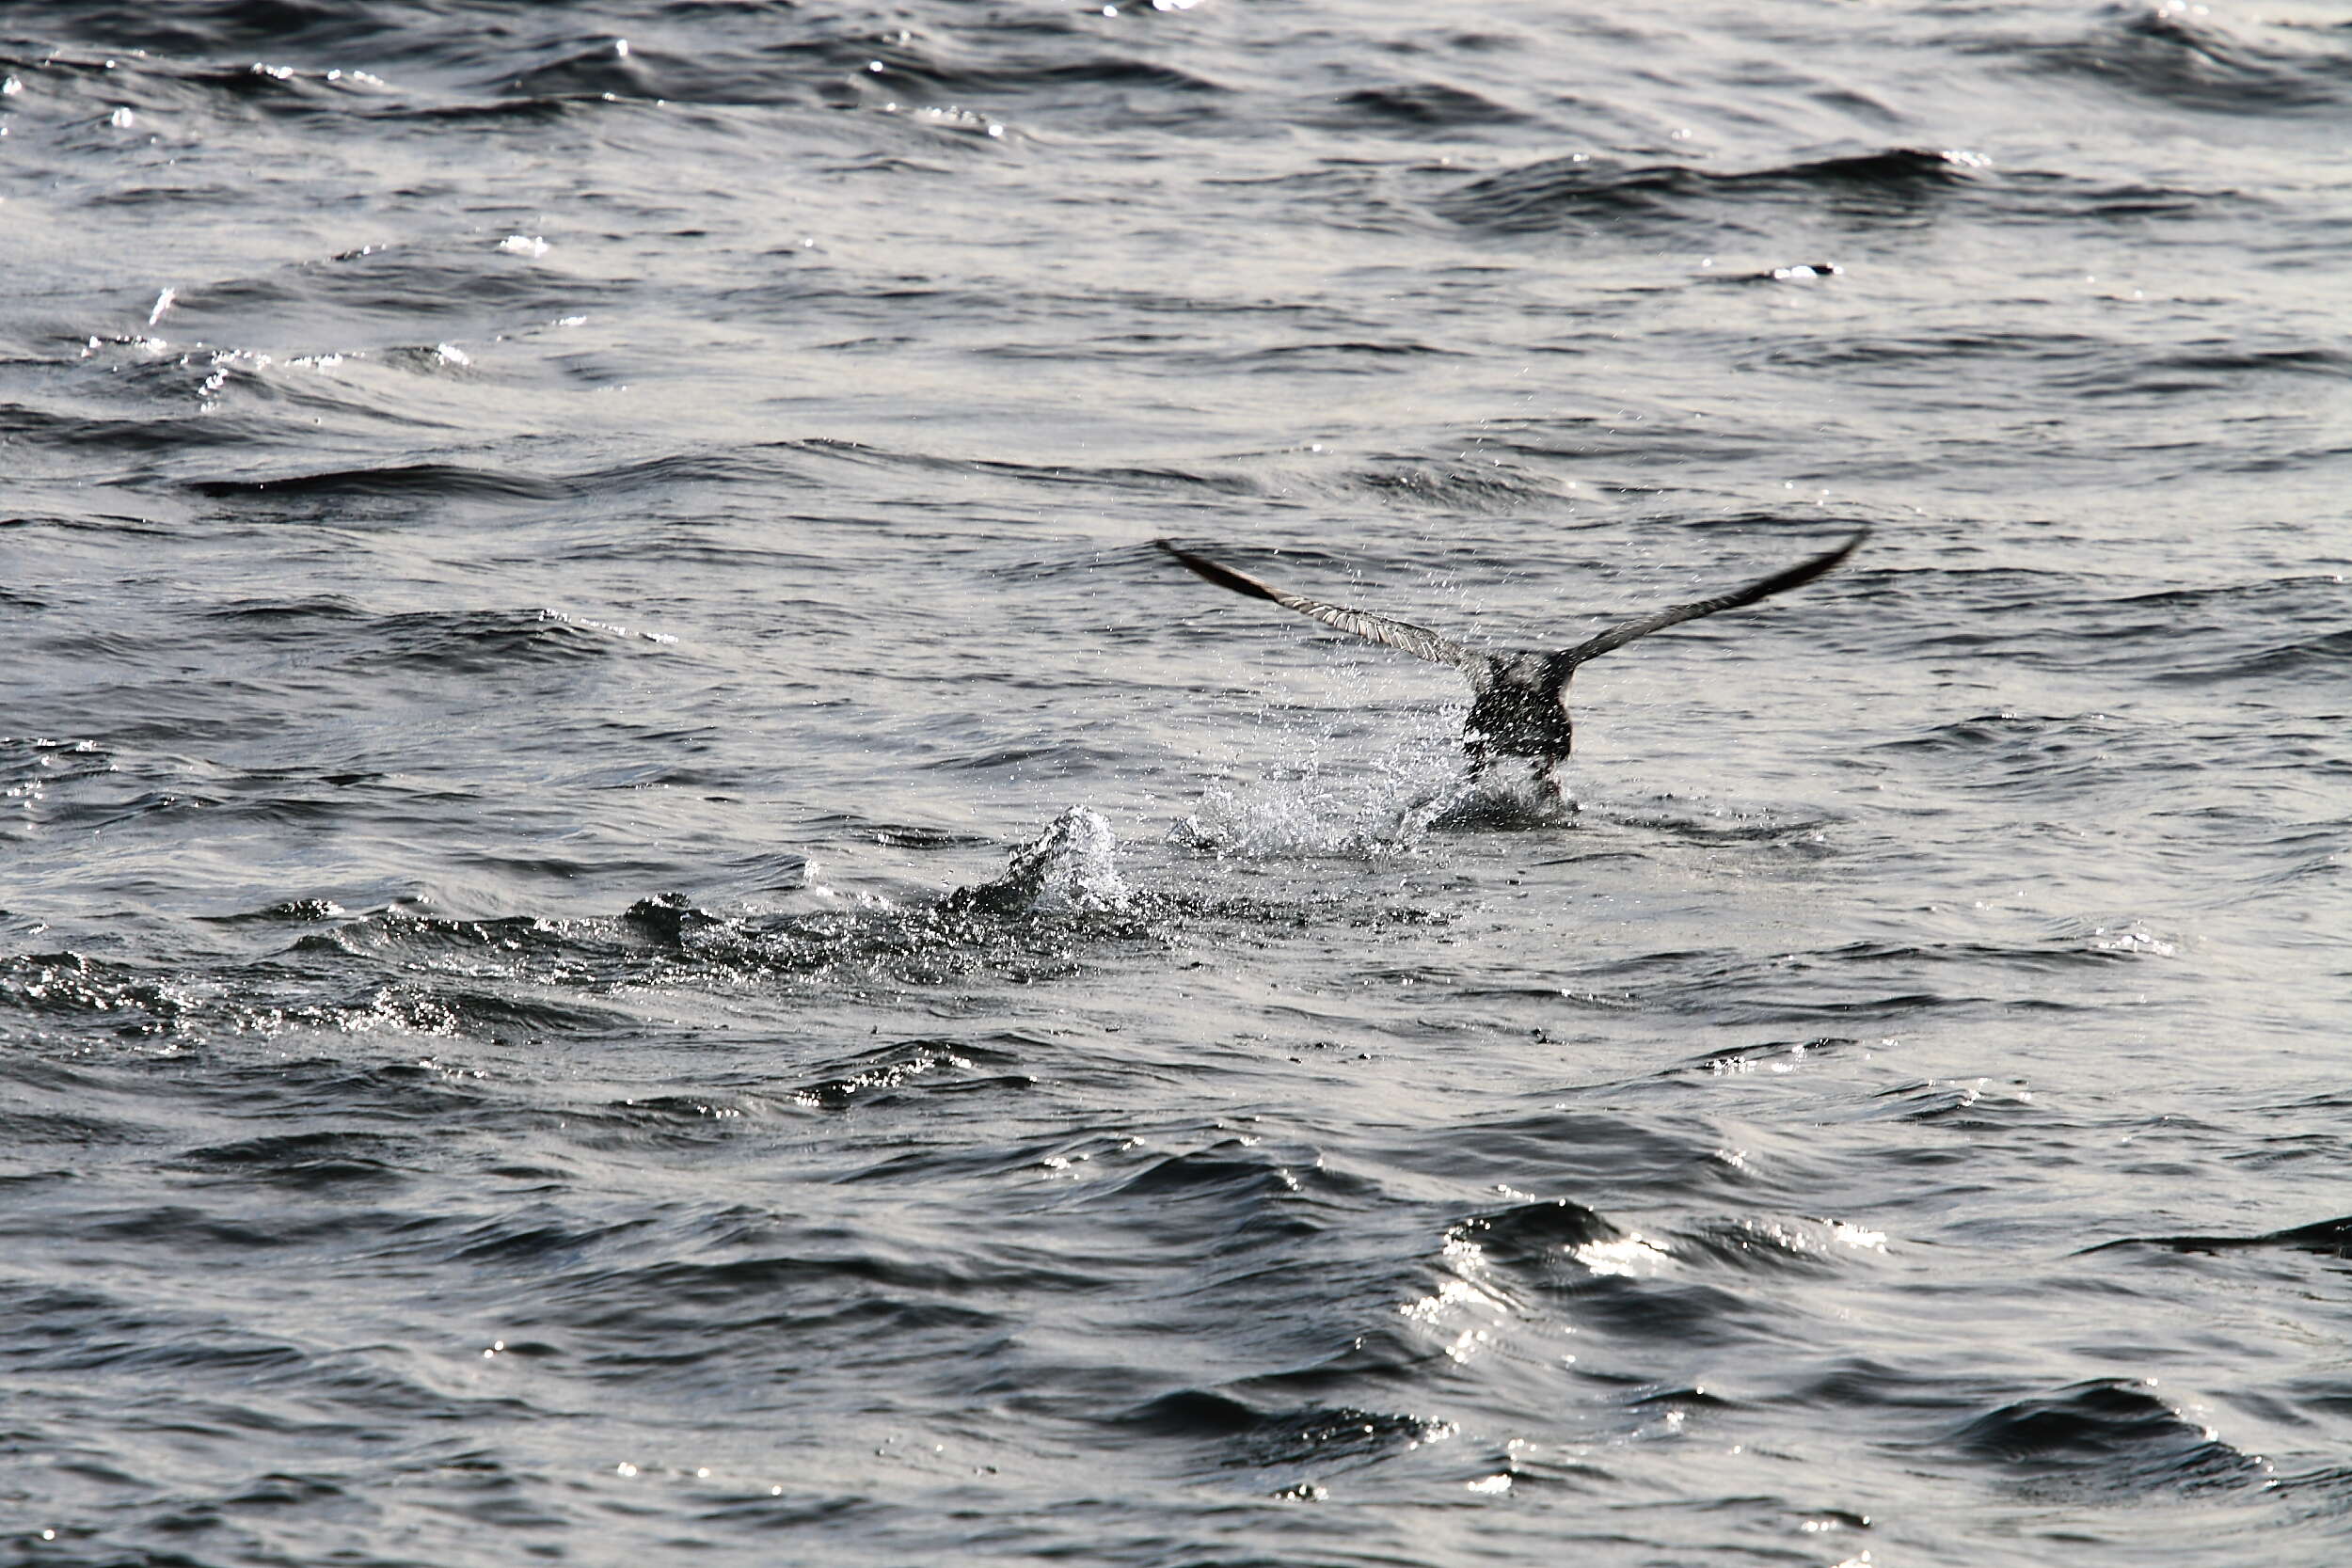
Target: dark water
[(535, 570)]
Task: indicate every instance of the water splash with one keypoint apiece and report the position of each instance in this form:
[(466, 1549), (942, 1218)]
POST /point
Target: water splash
[(1412, 793), (1071, 867)]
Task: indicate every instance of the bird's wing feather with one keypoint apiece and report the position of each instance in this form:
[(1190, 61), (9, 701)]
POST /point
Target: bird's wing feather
[(1779, 583), (1417, 640)]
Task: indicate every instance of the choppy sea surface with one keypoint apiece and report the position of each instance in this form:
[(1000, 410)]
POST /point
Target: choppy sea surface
[(637, 923)]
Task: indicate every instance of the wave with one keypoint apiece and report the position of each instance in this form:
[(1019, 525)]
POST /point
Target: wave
[(2183, 59), (435, 480), (1454, 488), (2328, 1238), (2326, 654), (547, 73), (1421, 109), (479, 642), (2107, 1436), (1239, 1435), (452, 280), (1555, 191), (914, 1071)]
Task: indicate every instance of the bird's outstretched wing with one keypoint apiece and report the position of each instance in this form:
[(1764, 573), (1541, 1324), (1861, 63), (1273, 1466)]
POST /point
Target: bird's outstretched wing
[(1417, 640), (1779, 583)]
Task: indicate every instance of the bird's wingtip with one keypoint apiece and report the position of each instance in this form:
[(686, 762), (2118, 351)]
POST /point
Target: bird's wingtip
[(1855, 541)]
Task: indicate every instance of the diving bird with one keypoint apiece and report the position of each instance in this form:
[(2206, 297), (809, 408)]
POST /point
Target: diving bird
[(1519, 698)]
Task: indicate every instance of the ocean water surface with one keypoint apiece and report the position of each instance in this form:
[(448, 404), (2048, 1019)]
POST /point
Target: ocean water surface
[(637, 923)]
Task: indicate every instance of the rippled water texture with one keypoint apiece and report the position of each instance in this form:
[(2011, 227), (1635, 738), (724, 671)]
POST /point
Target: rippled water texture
[(639, 923)]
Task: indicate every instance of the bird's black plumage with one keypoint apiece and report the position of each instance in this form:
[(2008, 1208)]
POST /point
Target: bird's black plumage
[(1519, 699)]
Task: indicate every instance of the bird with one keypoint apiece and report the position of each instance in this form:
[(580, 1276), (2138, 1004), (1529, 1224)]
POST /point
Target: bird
[(1519, 697)]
